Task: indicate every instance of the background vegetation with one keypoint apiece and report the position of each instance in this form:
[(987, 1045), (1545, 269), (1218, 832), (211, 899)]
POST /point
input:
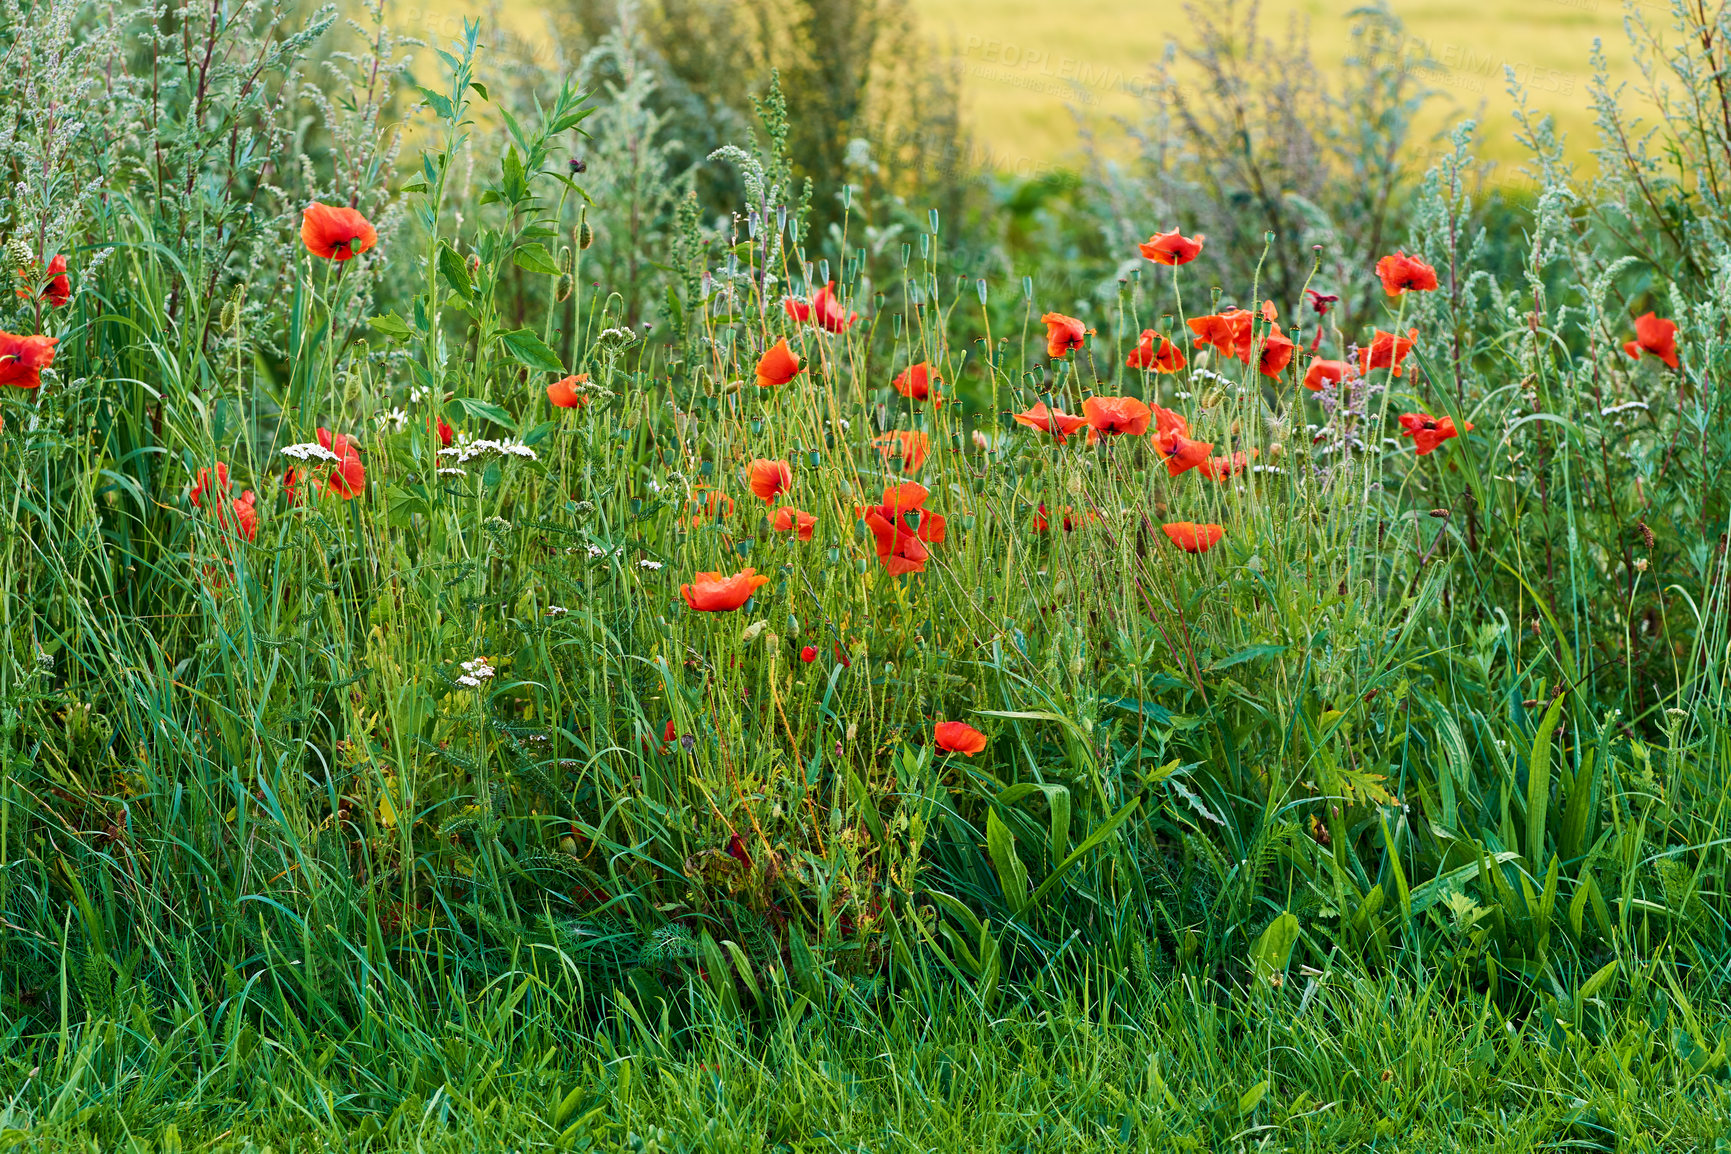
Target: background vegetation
[(1396, 819)]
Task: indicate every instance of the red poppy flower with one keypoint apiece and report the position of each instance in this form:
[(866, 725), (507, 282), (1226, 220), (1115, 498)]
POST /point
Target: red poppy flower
[(563, 392), (1427, 432), (1386, 351), (956, 737), (1045, 420), (795, 521), (1225, 468), (22, 359), (1321, 302), (713, 593), (1654, 335), (58, 289), (714, 505), (1063, 334), (1168, 248), (808, 654), (1180, 453), (60, 285), (1325, 372), (901, 526), (348, 478), (204, 488), (915, 382), (824, 311), (911, 445), (1164, 358), (1167, 421), (1116, 416), (777, 366), (446, 434), (1402, 273), (1193, 538), (336, 233), (1070, 519), (904, 505), (1276, 354), (1229, 332), (899, 550), (769, 479), (244, 511)]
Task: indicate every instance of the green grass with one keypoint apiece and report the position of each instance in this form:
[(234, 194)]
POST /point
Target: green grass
[(1396, 820), (1330, 1063)]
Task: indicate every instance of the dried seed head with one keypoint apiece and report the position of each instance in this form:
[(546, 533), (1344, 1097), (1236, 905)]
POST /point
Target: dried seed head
[(1646, 534), (1440, 514)]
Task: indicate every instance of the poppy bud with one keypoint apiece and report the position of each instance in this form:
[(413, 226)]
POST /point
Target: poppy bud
[(562, 291), (583, 234), (578, 165)]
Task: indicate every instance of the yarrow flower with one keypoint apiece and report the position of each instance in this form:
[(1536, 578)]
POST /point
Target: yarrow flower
[(646, 563), (475, 672), (310, 451), (469, 450)]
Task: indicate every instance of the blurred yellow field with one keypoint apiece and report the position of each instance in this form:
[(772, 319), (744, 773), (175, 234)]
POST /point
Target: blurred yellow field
[(1026, 63), (1029, 67)]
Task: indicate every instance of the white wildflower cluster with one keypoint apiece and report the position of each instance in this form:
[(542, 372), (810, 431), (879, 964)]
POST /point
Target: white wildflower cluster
[(469, 450), (556, 611), (453, 471), (475, 672), (648, 564), (310, 451)]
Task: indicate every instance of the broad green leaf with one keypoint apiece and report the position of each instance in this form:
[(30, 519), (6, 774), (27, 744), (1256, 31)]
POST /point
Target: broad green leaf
[(1539, 781), (455, 272), (1592, 986), (392, 325), (528, 349), (1105, 830), (1250, 653), (1273, 949), (441, 105), (535, 258), (486, 411), (1012, 874)]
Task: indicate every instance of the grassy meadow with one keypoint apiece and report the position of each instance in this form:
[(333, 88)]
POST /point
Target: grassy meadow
[(524, 625)]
